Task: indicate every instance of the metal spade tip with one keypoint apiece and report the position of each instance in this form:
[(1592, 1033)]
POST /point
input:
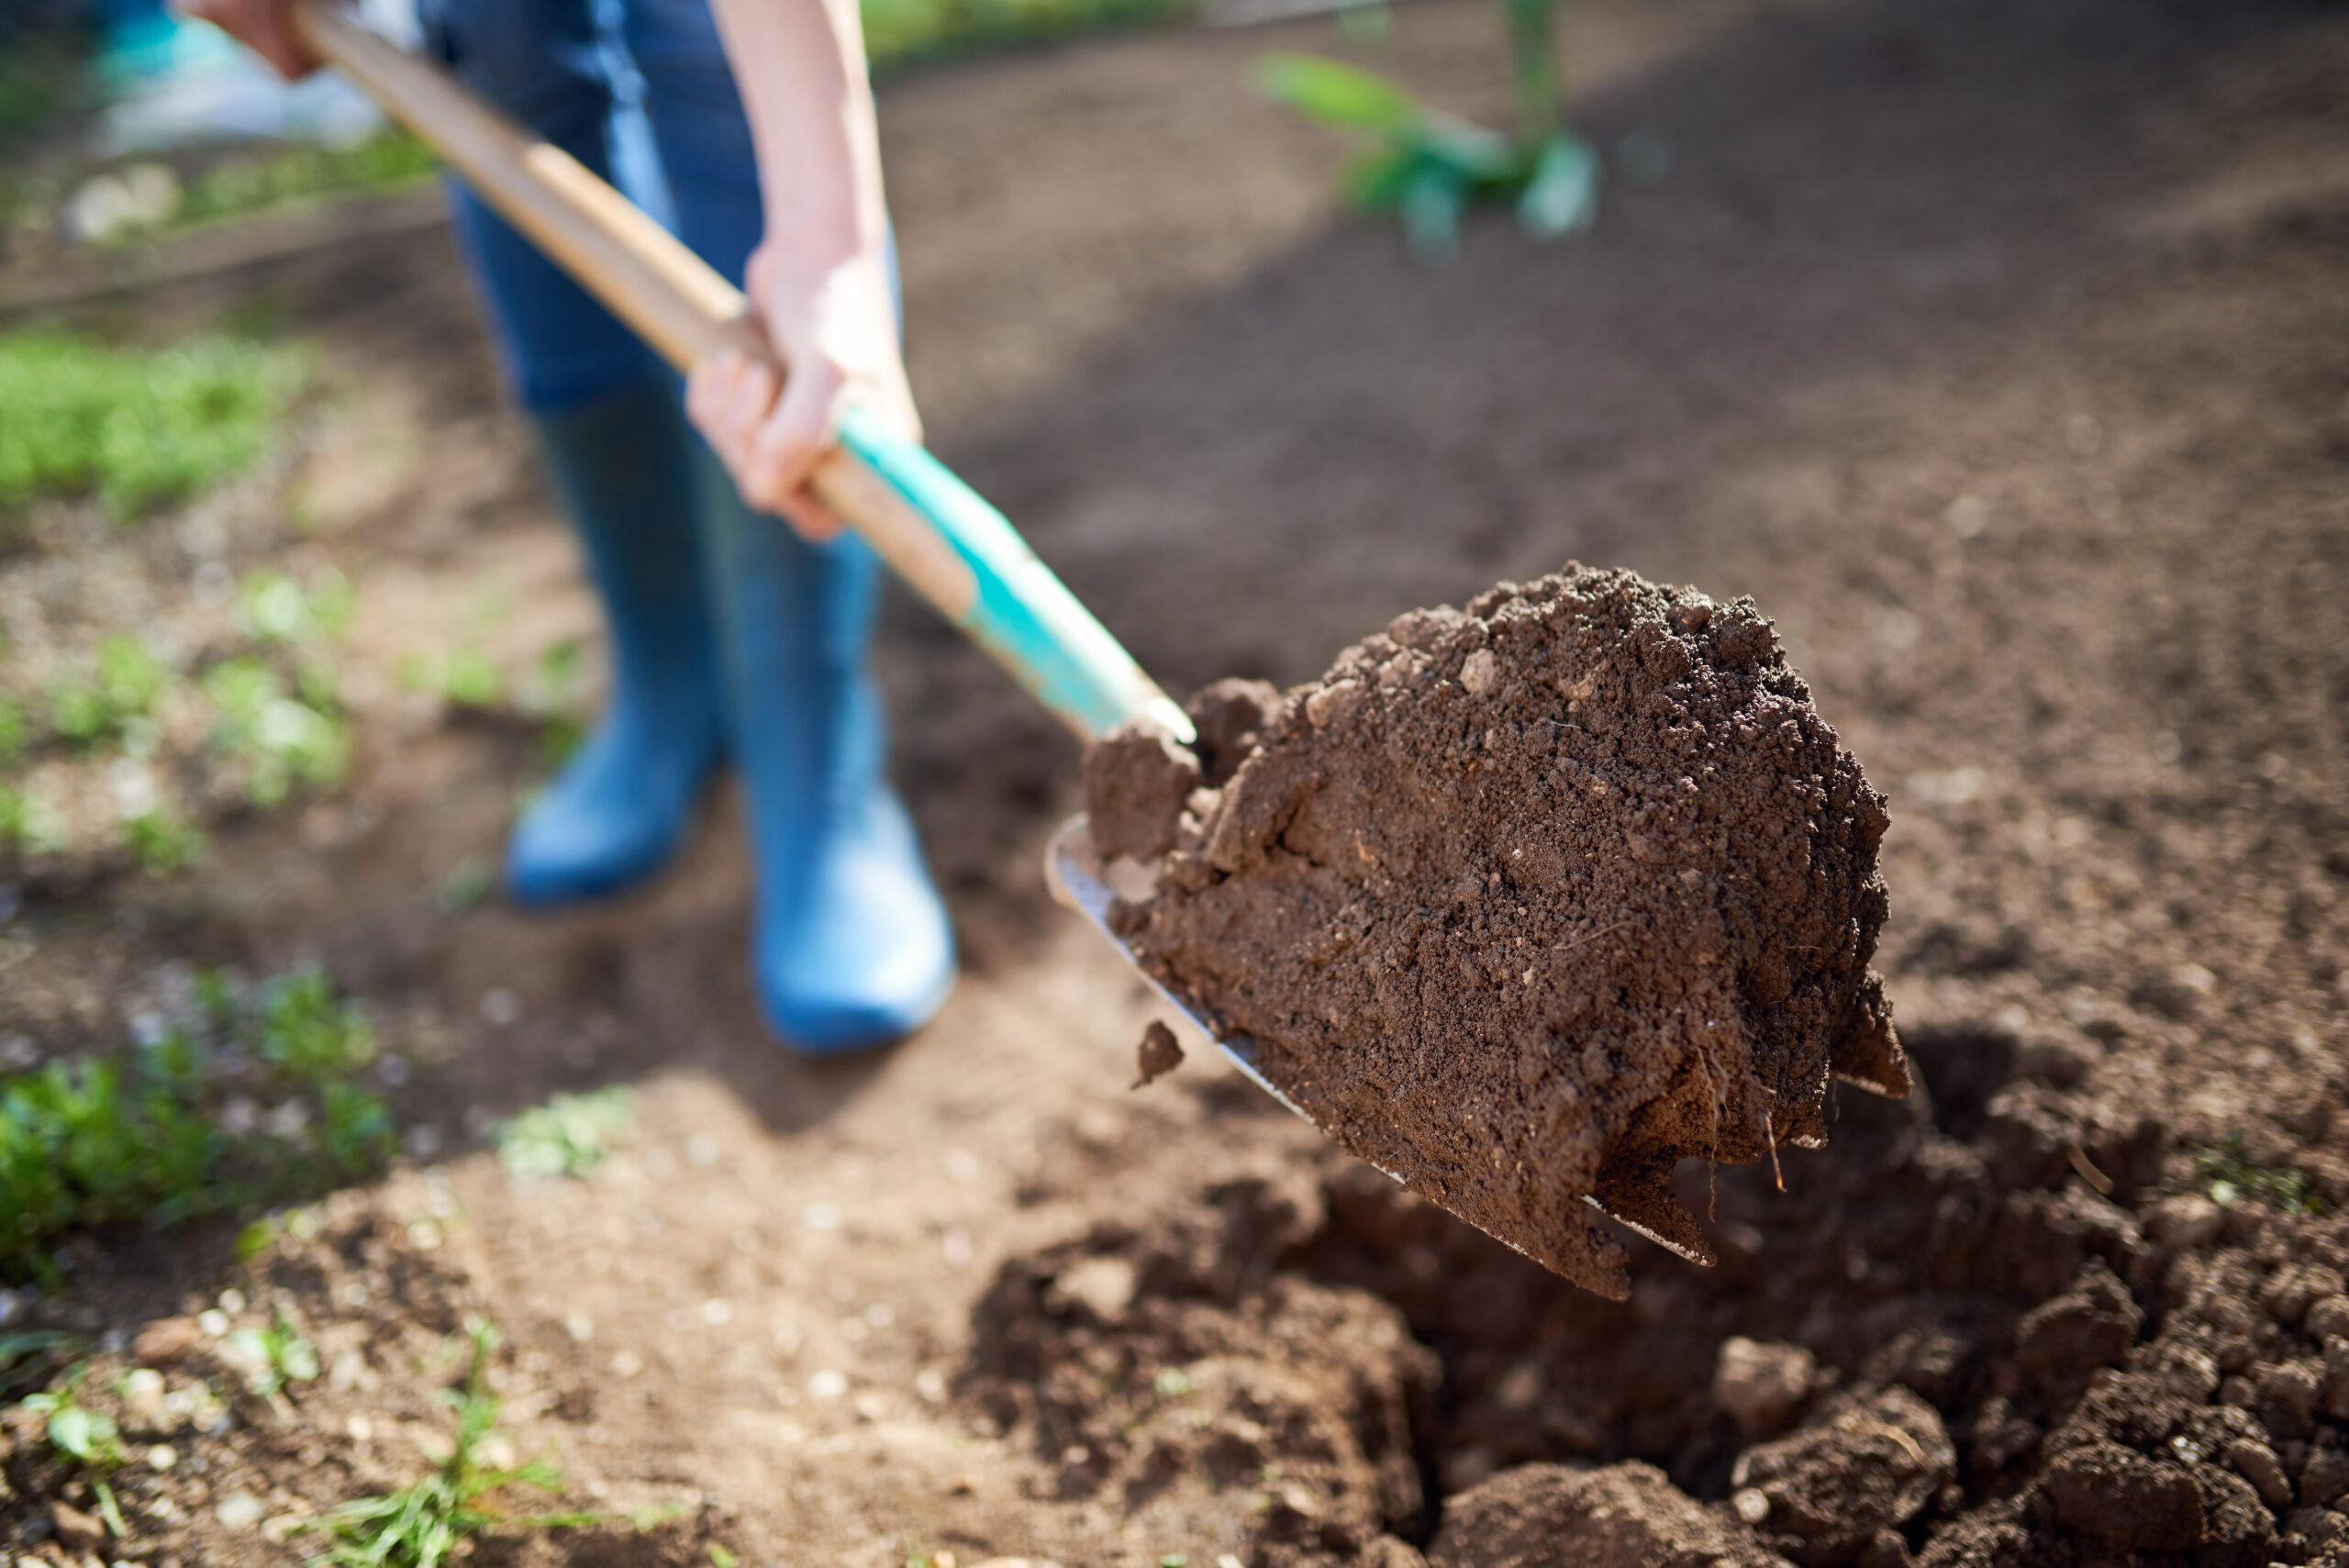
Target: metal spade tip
[(1078, 879)]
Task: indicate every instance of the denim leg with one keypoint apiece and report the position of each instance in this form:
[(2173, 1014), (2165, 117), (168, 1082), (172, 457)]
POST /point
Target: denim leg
[(701, 129), (543, 61), (702, 132)]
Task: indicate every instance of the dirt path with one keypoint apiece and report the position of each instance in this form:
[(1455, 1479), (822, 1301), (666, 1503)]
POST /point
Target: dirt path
[(1993, 347)]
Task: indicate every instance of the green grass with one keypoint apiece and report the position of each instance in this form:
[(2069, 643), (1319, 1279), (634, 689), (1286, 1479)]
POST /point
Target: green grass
[(421, 1524), (93, 1143), (136, 427), (240, 186), (897, 33)]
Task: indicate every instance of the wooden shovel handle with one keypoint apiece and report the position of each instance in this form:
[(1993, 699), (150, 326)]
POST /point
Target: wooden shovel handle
[(673, 299), (952, 548)]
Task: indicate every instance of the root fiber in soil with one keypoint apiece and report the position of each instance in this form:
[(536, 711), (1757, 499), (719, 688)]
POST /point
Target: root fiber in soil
[(1526, 902)]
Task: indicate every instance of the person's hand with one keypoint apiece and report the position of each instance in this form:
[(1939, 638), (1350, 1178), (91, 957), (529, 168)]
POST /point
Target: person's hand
[(836, 328), (266, 26)]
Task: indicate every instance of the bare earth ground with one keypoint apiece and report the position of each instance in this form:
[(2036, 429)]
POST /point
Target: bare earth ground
[(1993, 347)]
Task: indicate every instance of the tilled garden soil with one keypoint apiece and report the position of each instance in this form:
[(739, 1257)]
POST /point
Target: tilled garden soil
[(1993, 348)]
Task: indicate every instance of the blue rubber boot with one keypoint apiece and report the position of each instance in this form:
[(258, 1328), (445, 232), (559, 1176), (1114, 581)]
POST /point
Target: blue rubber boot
[(850, 944), (624, 469)]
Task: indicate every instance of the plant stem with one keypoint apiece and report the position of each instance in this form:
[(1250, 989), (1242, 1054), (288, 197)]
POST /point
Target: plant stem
[(1534, 58)]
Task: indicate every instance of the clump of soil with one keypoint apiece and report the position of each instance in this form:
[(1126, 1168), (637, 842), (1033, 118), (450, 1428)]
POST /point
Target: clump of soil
[(1527, 902), (1538, 1515), (1158, 1054)]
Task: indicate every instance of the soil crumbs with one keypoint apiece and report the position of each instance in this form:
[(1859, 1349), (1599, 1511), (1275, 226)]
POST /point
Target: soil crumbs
[(1526, 902)]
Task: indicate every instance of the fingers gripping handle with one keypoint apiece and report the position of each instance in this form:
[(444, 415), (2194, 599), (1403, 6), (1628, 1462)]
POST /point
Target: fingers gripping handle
[(935, 533)]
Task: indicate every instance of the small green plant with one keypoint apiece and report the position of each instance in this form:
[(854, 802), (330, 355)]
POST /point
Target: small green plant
[(85, 1144), (308, 1031), (113, 704), (273, 608), (419, 1525), (568, 1136), (2230, 1175), (273, 1357), (464, 678), (28, 825), (897, 33), (136, 427), (161, 841), (240, 186), (355, 1128), (283, 740), (85, 1439), (552, 695), (1427, 166)]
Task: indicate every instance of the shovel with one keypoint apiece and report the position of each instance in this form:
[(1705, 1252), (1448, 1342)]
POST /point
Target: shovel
[(952, 548)]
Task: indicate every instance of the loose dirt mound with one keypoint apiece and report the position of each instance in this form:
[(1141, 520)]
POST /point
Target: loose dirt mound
[(1171, 1359), (1528, 902), (1962, 1368)]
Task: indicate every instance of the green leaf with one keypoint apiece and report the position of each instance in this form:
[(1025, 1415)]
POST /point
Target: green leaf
[(84, 1435), (109, 1510), (296, 1356), (14, 1348), (1375, 182), (1562, 196), (1478, 156), (255, 1238), (1333, 94), (1433, 199)]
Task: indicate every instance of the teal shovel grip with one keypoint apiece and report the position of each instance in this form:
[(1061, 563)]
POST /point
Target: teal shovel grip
[(1019, 611)]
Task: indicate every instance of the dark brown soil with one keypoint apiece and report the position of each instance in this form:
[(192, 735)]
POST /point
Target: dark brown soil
[(1524, 904), (1545, 1516), (1993, 345), (1158, 1054)]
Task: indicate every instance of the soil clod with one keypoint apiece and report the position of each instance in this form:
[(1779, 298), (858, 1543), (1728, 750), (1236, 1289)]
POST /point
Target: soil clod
[(1624, 1515), (1159, 1054), (1527, 902)]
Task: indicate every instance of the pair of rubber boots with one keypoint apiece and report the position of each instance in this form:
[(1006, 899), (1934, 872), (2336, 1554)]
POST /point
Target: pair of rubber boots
[(732, 638)]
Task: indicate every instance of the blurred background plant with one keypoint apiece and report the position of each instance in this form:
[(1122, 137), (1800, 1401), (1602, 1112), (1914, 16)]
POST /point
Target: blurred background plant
[(1427, 166), (136, 427), (254, 1096)]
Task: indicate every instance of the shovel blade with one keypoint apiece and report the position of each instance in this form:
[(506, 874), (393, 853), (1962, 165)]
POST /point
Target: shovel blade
[(1079, 879)]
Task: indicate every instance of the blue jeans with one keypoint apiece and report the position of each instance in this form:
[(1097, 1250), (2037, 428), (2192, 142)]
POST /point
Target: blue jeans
[(562, 68)]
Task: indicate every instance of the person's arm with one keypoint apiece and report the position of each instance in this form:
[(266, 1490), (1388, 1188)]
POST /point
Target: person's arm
[(819, 282), (266, 26)]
